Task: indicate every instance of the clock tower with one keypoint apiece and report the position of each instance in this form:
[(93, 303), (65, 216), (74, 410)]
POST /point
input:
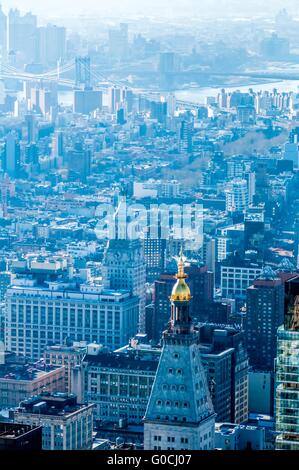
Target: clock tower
[(180, 414)]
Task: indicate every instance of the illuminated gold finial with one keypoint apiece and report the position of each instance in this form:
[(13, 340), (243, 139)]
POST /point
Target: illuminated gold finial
[(181, 264), (181, 291)]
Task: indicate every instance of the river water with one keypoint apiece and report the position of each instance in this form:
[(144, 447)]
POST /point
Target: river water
[(199, 94)]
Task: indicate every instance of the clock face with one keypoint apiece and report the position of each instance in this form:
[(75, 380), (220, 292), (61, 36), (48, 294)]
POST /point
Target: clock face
[(117, 255)]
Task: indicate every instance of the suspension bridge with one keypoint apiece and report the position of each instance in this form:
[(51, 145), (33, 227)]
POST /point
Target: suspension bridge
[(60, 75), (99, 81), (56, 75)]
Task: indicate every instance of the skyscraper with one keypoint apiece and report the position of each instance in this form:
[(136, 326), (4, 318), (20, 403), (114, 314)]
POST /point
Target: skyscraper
[(124, 268), (119, 42), (22, 35), (264, 315), (12, 154), (79, 161), (254, 229), (287, 371), (31, 128), (154, 254), (51, 44), (236, 195), (226, 362), (168, 67), (114, 98), (3, 33), (86, 101), (180, 413), (185, 136)]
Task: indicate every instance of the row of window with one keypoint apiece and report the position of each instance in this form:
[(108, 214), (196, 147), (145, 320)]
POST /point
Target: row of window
[(183, 440)]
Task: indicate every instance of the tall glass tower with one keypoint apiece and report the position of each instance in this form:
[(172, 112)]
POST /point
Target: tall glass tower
[(287, 372)]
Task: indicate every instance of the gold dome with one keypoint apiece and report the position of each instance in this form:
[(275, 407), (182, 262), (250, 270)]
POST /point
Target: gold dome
[(181, 291)]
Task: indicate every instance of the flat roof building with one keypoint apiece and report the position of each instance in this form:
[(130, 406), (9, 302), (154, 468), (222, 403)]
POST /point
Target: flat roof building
[(66, 424), (20, 381), (20, 437)]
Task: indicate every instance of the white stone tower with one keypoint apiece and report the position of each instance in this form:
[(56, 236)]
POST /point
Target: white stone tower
[(180, 413)]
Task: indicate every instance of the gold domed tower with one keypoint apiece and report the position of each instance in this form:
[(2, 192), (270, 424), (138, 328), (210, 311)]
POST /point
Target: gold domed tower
[(180, 298), (180, 402)]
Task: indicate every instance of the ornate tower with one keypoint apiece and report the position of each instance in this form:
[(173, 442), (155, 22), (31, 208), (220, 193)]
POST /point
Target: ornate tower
[(180, 413), (124, 264)]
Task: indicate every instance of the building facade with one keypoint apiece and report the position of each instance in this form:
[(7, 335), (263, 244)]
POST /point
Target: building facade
[(40, 313), (225, 359), (236, 195), (124, 267), (20, 381), (265, 300), (65, 424), (236, 279), (67, 356), (287, 372), (118, 384), (19, 437)]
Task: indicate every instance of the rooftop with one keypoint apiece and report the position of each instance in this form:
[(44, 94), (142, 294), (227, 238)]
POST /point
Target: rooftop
[(52, 404), (14, 431), (25, 372), (122, 361)]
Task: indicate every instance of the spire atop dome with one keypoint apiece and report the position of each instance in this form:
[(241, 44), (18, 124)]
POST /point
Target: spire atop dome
[(181, 291), (181, 264)]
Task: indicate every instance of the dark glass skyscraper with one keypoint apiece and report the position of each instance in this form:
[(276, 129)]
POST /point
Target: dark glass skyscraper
[(287, 371), (264, 315)]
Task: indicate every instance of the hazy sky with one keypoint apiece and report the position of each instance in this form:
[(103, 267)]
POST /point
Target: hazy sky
[(152, 7)]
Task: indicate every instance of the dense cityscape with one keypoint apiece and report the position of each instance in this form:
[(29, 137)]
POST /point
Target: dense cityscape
[(149, 231)]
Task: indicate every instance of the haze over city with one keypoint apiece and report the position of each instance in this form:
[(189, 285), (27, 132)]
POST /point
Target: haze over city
[(149, 230), (115, 8)]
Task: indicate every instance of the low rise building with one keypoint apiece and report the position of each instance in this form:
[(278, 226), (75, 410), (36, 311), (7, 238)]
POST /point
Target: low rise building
[(67, 356), (239, 437), (66, 424), (19, 381), (49, 303), (119, 383), (20, 437)]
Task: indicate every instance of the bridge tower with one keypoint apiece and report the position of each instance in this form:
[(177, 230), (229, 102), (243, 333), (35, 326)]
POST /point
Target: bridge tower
[(83, 75)]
